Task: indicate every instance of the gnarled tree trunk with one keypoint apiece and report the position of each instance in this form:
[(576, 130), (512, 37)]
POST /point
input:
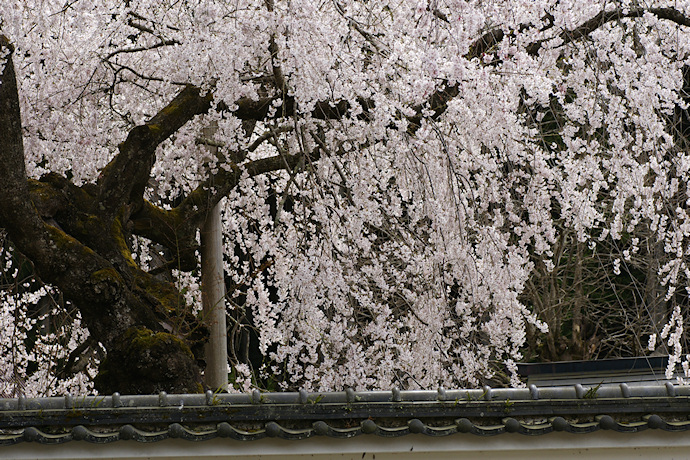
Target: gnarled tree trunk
[(77, 239)]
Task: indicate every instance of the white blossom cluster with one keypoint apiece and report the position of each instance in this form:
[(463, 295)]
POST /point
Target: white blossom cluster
[(33, 348), (398, 257)]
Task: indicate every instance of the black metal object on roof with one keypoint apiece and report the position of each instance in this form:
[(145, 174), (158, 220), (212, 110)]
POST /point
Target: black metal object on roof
[(646, 364), (645, 370), (482, 412)]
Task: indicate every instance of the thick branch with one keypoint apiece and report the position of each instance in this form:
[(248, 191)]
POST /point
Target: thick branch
[(196, 205), (485, 43), (168, 228), (249, 109), (14, 192), (124, 179), (118, 303), (84, 276), (569, 36), (176, 229), (438, 101), (17, 213)]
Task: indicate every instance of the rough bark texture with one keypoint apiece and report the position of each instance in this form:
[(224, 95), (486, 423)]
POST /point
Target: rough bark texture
[(152, 342)]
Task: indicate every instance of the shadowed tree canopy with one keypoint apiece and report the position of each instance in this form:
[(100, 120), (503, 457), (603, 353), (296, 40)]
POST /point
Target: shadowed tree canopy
[(440, 173)]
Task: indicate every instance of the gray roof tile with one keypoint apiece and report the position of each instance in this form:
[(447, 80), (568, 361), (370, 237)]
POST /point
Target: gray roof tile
[(482, 412)]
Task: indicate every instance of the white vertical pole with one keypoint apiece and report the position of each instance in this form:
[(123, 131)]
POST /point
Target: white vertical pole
[(213, 295)]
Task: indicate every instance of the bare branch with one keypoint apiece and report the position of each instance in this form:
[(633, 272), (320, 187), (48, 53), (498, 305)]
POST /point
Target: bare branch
[(142, 48), (142, 76), (144, 28)]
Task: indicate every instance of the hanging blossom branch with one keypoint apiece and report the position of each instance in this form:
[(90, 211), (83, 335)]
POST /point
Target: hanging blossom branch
[(437, 224), (438, 101), (569, 36), (136, 154), (274, 50), (179, 224)]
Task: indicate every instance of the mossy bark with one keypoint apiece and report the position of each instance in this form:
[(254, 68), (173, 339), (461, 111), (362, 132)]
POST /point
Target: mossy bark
[(144, 361), (77, 239)]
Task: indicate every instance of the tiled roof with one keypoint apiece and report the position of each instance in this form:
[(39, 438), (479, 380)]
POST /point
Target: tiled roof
[(484, 412)]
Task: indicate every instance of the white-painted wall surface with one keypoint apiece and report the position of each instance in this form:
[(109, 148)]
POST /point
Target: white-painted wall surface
[(604, 445)]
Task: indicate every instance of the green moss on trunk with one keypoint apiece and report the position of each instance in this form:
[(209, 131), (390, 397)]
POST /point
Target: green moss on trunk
[(118, 234), (148, 362)]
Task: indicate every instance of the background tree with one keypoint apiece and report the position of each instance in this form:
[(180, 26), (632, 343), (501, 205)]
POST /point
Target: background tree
[(412, 189)]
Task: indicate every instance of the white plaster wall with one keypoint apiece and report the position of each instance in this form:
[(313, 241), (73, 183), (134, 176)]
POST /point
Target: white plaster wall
[(651, 444)]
